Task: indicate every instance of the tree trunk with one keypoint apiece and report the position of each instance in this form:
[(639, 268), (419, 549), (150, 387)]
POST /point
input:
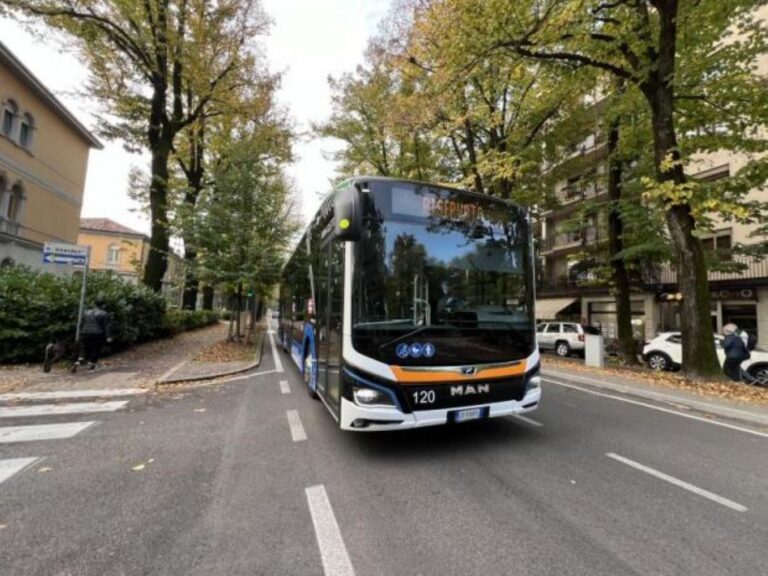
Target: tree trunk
[(238, 333), (699, 357), (208, 293), (626, 341), (157, 260), (189, 301)]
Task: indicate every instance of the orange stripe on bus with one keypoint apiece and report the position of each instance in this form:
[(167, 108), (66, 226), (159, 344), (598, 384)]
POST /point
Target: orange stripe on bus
[(405, 376)]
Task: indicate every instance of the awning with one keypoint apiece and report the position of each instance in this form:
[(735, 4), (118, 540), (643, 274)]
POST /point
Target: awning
[(548, 308)]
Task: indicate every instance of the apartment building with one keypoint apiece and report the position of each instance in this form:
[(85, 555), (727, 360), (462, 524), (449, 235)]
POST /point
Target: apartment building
[(567, 289), (43, 161), (114, 247)]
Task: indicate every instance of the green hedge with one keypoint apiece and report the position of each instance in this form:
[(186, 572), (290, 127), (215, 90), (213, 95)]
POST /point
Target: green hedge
[(38, 308), (180, 320)]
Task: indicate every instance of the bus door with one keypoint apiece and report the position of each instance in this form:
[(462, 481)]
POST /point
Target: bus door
[(329, 321)]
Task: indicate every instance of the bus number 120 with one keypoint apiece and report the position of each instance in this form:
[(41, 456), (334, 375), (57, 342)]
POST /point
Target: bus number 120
[(424, 397)]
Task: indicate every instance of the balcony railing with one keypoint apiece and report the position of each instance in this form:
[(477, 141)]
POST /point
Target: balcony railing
[(563, 240), (666, 273)]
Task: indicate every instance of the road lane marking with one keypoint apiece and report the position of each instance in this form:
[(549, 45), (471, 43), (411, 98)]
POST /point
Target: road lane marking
[(658, 396), (297, 429), (527, 420), (278, 361), (57, 409), (13, 466), (285, 387), (672, 480), (333, 551), (10, 434), (659, 408), (69, 394)]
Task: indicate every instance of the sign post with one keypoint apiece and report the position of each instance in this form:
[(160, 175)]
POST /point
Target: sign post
[(60, 253)]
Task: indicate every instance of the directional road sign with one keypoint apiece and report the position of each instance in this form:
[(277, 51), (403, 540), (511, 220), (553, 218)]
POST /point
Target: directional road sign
[(60, 253)]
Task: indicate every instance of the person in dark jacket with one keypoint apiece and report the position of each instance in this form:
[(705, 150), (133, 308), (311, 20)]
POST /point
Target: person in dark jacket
[(96, 330), (736, 352)]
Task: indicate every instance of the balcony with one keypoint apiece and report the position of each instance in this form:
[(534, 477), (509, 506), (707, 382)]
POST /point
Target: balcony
[(569, 240), (755, 269)]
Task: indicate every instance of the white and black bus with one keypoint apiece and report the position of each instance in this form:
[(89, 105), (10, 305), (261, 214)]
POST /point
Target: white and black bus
[(408, 304)]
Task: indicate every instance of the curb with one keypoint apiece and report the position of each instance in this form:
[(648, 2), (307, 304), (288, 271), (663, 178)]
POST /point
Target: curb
[(168, 377), (674, 399)]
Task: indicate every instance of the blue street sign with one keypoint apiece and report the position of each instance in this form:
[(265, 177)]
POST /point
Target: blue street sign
[(59, 253)]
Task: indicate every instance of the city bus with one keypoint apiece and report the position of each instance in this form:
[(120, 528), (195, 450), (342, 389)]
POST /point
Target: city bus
[(407, 304)]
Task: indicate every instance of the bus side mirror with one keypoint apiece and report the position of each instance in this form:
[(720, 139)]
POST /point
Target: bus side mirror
[(348, 215)]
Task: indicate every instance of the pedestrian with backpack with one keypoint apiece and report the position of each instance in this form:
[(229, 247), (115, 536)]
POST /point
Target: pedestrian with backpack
[(95, 332), (736, 352)]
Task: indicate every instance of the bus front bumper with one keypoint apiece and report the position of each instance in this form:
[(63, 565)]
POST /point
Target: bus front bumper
[(363, 419)]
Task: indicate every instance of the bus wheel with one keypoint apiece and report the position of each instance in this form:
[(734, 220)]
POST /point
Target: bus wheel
[(308, 376)]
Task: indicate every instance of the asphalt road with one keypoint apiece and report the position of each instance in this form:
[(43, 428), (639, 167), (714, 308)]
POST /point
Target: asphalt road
[(219, 480)]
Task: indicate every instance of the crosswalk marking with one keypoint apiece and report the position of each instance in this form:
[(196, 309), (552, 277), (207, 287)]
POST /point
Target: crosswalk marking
[(57, 409), (70, 394), (12, 466), (37, 432)]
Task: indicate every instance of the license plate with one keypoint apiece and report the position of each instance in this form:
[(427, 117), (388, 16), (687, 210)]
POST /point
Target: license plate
[(470, 414)]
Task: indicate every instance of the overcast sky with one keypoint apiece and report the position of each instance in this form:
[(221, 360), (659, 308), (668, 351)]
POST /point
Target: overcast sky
[(309, 40)]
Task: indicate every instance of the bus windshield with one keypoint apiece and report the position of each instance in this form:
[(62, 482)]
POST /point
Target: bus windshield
[(441, 278)]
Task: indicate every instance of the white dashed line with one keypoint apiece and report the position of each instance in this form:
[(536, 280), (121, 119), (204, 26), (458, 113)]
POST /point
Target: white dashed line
[(527, 420), (285, 388), (13, 466), (57, 409), (672, 480), (69, 394), (658, 408), (333, 552), (297, 430), (10, 434), (276, 358)]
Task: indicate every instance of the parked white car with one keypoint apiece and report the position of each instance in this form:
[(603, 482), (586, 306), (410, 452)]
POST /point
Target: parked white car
[(564, 338), (665, 352)]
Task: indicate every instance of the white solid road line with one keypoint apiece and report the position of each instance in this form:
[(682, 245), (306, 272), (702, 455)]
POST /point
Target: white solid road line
[(297, 429), (245, 376), (14, 465), (57, 409), (10, 434), (672, 480), (285, 387), (278, 361), (527, 420), (333, 552), (659, 408), (70, 394)]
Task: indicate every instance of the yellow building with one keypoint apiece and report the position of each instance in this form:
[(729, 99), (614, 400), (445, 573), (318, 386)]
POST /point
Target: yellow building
[(43, 161), (114, 247)]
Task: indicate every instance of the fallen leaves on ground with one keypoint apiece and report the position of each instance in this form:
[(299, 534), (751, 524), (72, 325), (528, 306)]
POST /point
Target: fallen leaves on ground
[(713, 388), (225, 351), (139, 467), (45, 469)]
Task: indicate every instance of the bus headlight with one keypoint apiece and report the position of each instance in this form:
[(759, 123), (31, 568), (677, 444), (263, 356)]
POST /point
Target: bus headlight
[(371, 397)]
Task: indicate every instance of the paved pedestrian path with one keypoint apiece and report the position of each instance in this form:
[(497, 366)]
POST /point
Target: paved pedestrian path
[(139, 367)]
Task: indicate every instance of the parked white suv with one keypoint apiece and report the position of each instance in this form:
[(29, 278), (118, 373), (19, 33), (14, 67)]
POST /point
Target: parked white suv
[(665, 352), (564, 338)]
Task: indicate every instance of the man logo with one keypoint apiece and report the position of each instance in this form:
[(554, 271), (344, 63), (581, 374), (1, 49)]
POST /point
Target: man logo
[(469, 370), (470, 389)]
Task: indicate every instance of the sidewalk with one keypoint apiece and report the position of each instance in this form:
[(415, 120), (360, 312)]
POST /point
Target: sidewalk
[(646, 388), (139, 367)]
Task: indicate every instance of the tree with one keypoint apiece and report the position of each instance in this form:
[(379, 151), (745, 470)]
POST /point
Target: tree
[(672, 52), (142, 57)]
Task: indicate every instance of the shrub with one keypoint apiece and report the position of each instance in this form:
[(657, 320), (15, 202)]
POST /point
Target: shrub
[(177, 321), (38, 308)]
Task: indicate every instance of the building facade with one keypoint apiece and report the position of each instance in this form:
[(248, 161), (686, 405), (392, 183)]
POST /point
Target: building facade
[(43, 162), (567, 290)]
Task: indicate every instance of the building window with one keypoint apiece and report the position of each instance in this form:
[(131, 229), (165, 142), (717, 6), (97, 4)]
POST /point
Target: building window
[(27, 131), (10, 112), (113, 254), (719, 244)]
